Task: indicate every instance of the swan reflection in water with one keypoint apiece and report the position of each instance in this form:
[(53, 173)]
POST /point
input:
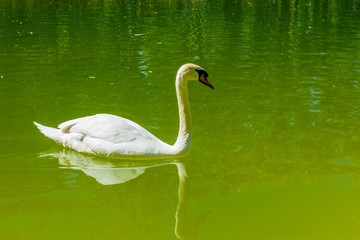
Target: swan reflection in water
[(108, 172)]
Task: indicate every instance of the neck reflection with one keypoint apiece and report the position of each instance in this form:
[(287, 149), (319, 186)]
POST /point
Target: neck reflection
[(110, 172)]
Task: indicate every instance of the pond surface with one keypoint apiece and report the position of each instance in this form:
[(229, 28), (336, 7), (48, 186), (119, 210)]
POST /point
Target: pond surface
[(276, 145)]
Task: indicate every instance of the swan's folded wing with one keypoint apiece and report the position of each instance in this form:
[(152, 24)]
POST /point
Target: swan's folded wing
[(107, 127), (65, 126)]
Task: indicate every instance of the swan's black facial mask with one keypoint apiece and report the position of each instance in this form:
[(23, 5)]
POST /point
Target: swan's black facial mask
[(203, 78)]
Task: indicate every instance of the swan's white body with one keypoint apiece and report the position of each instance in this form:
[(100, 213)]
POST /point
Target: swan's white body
[(117, 137), (107, 135)]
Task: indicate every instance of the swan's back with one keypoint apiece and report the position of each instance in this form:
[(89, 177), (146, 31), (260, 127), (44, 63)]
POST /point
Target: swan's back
[(109, 128)]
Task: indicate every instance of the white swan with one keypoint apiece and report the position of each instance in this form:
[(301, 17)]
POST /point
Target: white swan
[(117, 137)]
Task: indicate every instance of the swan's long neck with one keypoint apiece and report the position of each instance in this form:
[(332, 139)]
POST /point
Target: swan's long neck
[(183, 142)]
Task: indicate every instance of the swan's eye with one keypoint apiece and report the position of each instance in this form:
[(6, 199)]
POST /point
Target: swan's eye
[(202, 72)]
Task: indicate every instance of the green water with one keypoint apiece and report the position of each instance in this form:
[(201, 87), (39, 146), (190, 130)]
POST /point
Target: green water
[(276, 145)]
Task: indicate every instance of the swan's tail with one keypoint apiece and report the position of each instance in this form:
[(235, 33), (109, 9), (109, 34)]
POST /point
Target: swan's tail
[(53, 133)]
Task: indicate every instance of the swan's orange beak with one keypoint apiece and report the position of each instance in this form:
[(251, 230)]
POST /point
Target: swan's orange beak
[(203, 80)]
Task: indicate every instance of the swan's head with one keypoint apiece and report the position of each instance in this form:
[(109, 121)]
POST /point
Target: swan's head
[(191, 71)]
